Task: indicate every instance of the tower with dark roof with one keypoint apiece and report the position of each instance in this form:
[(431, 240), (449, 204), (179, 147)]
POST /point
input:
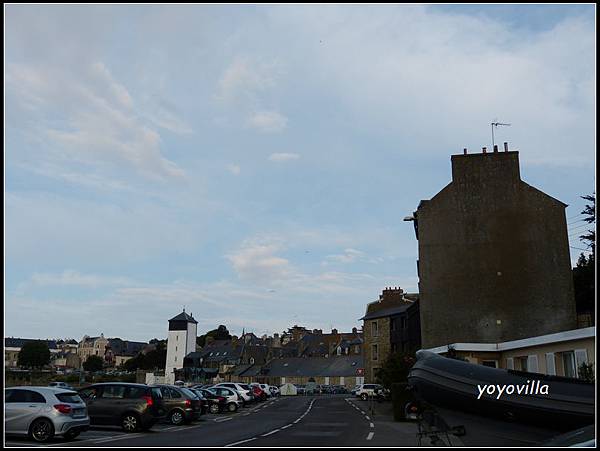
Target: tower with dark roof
[(180, 342)]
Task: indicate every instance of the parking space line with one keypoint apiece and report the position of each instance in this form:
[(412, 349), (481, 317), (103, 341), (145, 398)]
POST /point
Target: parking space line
[(241, 441), (370, 436), (371, 425), (269, 433), (287, 426)]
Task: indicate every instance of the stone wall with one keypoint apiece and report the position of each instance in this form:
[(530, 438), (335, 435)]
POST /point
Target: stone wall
[(381, 339)]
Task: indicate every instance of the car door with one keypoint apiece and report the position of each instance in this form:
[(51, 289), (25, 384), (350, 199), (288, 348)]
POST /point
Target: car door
[(111, 404), (90, 397), (21, 407)]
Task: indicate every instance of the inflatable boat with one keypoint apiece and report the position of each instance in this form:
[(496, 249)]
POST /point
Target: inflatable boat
[(553, 401)]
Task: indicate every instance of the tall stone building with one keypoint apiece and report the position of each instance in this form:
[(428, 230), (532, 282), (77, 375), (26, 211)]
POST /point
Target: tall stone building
[(494, 259), (181, 341), (381, 329)]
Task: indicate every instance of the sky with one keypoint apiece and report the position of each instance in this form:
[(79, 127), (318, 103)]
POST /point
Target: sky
[(254, 164)]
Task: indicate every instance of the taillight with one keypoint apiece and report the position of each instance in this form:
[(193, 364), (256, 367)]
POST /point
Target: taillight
[(188, 403), (149, 400), (63, 408), (220, 398)]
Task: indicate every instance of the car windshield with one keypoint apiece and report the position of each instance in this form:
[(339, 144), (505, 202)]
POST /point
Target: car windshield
[(188, 392), (244, 386)]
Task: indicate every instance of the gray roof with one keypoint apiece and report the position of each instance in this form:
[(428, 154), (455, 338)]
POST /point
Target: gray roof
[(387, 312), (314, 366), (19, 342), (184, 317)]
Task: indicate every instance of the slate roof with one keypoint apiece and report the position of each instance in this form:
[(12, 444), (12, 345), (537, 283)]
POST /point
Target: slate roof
[(314, 366), (183, 317), (387, 312), (19, 342)]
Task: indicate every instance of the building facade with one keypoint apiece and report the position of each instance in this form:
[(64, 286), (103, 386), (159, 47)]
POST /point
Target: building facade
[(494, 262), (181, 341), (386, 329)]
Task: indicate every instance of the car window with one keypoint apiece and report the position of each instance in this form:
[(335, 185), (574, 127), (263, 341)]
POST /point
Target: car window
[(113, 392), (174, 393), (88, 393), (27, 396), (166, 393), (188, 392), (71, 397), (7, 395), (135, 392)]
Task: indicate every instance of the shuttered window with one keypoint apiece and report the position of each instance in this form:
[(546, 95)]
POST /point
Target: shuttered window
[(550, 364)]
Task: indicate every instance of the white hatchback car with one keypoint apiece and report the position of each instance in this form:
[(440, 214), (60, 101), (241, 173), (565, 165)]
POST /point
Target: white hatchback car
[(244, 393), (364, 391)]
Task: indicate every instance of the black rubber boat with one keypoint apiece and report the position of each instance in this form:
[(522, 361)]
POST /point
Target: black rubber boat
[(553, 401)]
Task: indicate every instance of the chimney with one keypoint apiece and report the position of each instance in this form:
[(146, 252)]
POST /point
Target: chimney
[(465, 151), (495, 148), (484, 149), (334, 331), (506, 147), (354, 330)]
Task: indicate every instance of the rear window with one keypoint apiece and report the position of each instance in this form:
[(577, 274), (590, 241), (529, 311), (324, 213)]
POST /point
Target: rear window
[(156, 393), (187, 392), (113, 392), (71, 398), (244, 386), (135, 392)]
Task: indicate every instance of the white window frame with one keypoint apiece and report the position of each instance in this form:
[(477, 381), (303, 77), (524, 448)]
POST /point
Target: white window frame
[(510, 363), (532, 363), (550, 364)]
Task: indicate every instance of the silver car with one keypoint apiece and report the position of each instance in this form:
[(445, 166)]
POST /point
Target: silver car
[(44, 412), (233, 400)]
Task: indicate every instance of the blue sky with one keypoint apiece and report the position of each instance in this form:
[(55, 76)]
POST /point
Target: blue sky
[(254, 163)]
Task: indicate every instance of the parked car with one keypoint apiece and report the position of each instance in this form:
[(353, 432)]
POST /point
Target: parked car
[(134, 407), (364, 391), (258, 392), (216, 403), (44, 412), (203, 400), (266, 388), (274, 390), (181, 405), (233, 400), (62, 385), (243, 389), (300, 389)]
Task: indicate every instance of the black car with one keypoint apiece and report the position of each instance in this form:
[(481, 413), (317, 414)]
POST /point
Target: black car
[(181, 404), (216, 403), (134, 407)]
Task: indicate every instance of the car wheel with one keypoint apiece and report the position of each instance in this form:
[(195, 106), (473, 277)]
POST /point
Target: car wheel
[(214, 408), (42, 430), (71, 435), (176, 417), (364, 396), (232, 407), (130, 422)]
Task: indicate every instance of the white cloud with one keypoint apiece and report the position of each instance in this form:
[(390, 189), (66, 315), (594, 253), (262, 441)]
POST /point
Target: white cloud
[(71, 277), (279, 157), (256, 260), (245, 79), (84, 115), (234, 169), (267, 121), (349, 256)]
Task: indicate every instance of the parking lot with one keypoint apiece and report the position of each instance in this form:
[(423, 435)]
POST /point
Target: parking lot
[(321, 420)]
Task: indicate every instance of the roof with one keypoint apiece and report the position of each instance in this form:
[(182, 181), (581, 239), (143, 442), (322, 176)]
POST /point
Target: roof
[(387, 312), (575, 334), (19, 342), (183, 317), (314, 366)]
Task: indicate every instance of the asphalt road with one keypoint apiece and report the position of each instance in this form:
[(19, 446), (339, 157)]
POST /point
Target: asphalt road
[(326, 420)]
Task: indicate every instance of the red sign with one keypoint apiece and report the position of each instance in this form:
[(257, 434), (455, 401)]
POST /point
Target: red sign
[(360, 371)]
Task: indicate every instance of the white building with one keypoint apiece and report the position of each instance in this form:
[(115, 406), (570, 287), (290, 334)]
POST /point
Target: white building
[(180, 342)]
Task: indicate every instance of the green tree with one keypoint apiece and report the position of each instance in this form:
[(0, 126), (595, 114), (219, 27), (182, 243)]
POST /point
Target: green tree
[(584, 274), (586, 372), (34, 354), (220, 333), (93, 363), (395, 369)]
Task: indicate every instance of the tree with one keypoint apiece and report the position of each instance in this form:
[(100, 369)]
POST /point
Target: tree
[(34, 354), (220, 333), (395, 369), (93, 363), (584, 274)]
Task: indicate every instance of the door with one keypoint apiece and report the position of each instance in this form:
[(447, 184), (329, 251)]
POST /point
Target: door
[(90, 397), (21, 407)]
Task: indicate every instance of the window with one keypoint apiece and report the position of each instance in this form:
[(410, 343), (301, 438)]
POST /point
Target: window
[(403, 322), (550, 364), (393, 324), (374, 352), (532, 363), (580, 359), (113, 392), (72, 397), (374, 329), (28, 396), (510, 363), (490, 363), (568, 359), (137, 392)]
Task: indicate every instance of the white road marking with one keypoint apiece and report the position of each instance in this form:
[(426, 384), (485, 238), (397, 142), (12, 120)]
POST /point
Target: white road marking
[(367, 418), (269, 433), (287, 426), (371, 425), (370, 436), (220, 420), (241, 441)]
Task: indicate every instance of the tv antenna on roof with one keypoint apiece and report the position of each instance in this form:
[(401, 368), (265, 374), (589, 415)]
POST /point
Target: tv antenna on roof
[(496, 124)]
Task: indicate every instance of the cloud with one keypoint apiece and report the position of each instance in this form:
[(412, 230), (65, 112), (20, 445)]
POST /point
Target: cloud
[(349, 256), (279, 157), (84, 115), (245, 80), (234, 169), (267, 121), (71, 277), (257, 261)]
